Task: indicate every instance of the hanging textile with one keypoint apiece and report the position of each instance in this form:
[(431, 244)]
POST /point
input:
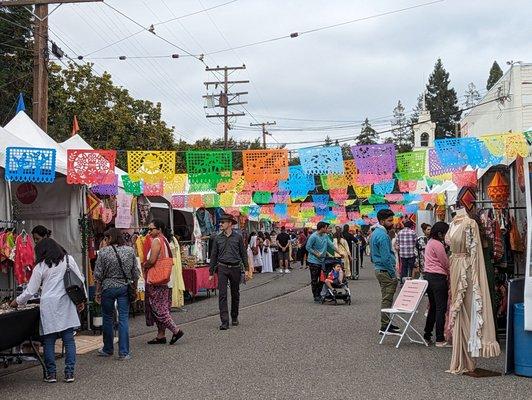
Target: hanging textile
[(265, 165), (88, 167), (499, 191), (321, 160), (178, 284), (151, 166), (205, 222), (209, 167), (24, 261), (411, 165), (25, 164)]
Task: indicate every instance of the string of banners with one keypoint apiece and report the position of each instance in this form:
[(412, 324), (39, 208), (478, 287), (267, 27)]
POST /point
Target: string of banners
[(269, 187)]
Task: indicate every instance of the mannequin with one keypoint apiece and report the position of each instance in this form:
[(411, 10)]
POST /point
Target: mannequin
[(471, 310)]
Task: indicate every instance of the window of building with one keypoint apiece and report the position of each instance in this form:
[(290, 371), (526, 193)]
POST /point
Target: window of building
[(424, 139)]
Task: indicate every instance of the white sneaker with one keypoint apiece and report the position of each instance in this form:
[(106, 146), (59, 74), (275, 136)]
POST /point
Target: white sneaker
[(286, 271), (281, 271)]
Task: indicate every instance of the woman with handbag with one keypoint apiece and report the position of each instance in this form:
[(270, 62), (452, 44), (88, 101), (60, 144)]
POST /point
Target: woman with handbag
[(342, 250), (59, 314), (116, 275), (157, 271)]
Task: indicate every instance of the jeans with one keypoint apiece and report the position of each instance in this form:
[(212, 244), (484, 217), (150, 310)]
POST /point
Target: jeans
[(109, 296), (438, 294), (388, 286), (231, 275), (407, 267), (315, 284), (70, 351)]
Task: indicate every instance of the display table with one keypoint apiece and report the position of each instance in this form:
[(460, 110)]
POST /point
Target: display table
[(198, 278)]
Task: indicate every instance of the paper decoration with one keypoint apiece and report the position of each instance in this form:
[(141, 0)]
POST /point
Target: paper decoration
[(440, 199), (321, 160), (376, 199), (460, 152), (429, 197), (509, 144), (209, 167), (321, 199), (232, 185), (379, 207), (365, 179), (339, 195), (365, 209), (227, 199), (151, 166), (375, 158), (411, 165), (298, 183), (465, 178), (363, 192), (123, 216), (176, 185), (261, 186), (350, 172), (467, 197), (411, 208), (307, 210), (293, 210), (154, 189), (178, 201), (89, 167), (499, 191), (24, 164), (131, 187), (281, 210), (254, 211), (199, 187), (281, 197), (385, 187), (265, 165), (394, 197), (262, 197), (194, 201), (435, 166), (407, 186), (243, 198), (397, 208), (107, 189), (211, 200)]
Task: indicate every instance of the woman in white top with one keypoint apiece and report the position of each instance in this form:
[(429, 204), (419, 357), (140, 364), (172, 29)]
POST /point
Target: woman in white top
[(267, 265), (59, 316), (254, 251)]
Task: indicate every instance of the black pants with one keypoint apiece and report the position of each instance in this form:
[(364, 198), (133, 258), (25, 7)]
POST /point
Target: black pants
[(315, 284), (438, 294), (231, 275)]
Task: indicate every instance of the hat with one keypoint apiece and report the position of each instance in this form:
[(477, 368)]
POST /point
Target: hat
[(228, 217)]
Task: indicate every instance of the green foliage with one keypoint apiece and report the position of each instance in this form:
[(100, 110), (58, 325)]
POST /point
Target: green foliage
[(495, 74), (368, 135), (442, 102), (16, 60), (402, 134)]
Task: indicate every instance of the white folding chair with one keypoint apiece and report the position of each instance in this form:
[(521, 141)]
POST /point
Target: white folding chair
[(406, 304)]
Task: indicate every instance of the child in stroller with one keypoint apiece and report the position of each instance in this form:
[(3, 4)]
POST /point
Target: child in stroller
[(336, 286)]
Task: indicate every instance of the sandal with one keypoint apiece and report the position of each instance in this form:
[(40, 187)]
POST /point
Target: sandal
[(157, 341)]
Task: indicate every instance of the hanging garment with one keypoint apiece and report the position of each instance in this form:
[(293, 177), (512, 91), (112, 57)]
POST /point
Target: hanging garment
[(24, 258), (205, 222), (267, 265), (178, 284), (471, 309), (498, 247)]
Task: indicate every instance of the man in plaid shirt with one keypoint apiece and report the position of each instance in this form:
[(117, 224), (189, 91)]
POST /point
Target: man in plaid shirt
[(406, 240)]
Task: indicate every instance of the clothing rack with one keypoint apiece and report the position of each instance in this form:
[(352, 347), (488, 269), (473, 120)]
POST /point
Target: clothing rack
[(506, 208)]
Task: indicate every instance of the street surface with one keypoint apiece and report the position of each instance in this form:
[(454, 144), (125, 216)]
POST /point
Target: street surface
[(286, 347)]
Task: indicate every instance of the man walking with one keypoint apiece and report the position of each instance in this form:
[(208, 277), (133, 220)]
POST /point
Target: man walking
[(406, 240), (283, 250), (229, 258), (318, 244), (383, 260)]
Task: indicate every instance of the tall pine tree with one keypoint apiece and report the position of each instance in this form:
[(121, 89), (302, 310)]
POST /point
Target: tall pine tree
[(401, 133), (442, 102), (368, 135), (16, 59), (495, 75)]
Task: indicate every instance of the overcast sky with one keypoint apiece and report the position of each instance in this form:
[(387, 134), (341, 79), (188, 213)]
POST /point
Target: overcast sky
[(346, 73)]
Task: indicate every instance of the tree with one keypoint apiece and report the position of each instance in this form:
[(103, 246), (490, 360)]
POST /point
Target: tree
[(472, 96), (495, 75), (402, 134), (328, 141), (109, 117), (346, 152), (368, 135), (16, 59), (442, 102)]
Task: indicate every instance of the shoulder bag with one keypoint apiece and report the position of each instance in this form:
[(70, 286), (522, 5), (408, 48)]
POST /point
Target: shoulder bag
[(131, 287), (74, 285), (160, 272)]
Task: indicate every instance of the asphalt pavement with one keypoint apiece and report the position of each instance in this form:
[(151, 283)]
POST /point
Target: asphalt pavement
[(286, 347)]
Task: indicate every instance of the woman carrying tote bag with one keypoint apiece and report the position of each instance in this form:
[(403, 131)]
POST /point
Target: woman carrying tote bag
[(157, 270)]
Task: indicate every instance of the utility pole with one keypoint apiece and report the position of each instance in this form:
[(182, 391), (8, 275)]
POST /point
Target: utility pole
[(264, 131), (225, 99), (40, 54)]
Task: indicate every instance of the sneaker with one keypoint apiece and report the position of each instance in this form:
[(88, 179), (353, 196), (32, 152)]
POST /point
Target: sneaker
[(69, 377), (281, 271), (102, 353), (124, 357), (443, 344), (286, 271), (50, 378)]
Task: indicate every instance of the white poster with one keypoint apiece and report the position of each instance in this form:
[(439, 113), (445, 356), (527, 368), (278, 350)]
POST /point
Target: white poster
[(41, 200)]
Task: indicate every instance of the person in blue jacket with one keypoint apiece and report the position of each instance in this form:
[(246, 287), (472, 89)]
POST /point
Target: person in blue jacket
[(383, 259), (318, 245)]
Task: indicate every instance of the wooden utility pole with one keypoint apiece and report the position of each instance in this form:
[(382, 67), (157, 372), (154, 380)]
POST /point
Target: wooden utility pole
[(225, 98), (40, 54), (264, 131)]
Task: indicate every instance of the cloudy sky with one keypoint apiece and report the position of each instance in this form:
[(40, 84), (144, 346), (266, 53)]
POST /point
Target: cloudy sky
[(321, 81)]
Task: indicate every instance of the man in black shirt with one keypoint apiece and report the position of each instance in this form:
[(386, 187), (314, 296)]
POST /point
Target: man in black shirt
[(283, 240), (228, 257)]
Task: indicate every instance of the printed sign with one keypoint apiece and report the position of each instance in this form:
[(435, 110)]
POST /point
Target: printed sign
[(410, 295)]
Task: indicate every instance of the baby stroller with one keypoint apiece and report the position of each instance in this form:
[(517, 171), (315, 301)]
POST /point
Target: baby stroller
[(340, 291)]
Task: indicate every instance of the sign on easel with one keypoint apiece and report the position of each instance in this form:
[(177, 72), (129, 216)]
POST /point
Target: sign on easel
[(409, 295)]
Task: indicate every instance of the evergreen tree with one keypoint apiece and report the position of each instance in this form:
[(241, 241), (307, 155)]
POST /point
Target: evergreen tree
[(368, 135), (472, 96), (495, 75), (442, 102), (16, 59), (402, 134), (328, 140)]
